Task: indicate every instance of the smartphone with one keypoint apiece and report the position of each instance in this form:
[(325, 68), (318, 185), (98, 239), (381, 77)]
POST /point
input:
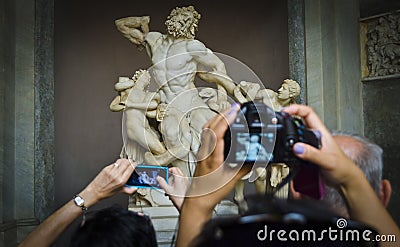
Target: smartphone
[(144, 176), (309, 181)]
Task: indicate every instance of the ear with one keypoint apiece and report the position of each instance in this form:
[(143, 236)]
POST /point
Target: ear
[(386, 192), (295, 195)]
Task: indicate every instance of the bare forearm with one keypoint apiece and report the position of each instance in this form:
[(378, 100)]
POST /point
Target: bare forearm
[(365, 206), (143, 106), (198, 210), (191, 223), (47, 232), (107, 183), (220, 79), (132, 21), (133, 28)]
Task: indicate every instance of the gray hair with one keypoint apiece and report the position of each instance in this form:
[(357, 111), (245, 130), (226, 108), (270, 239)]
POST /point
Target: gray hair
[(368, 158)]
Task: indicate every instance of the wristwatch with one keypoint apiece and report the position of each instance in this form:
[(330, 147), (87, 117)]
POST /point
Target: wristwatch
[(80, 202)]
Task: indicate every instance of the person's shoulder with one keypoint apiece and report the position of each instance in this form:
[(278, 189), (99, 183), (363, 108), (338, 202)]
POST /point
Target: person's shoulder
[(195, 45), (268, 92), (154, 34), (152, 37)]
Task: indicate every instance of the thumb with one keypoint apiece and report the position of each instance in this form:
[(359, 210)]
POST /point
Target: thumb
[(163, 183), (129, 190), (309, 153)]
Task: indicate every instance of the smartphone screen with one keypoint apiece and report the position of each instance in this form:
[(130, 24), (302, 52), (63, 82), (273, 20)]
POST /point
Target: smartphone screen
[(144, 176)]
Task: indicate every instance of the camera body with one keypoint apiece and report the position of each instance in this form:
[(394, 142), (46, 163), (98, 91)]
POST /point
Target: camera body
[(259, 135)]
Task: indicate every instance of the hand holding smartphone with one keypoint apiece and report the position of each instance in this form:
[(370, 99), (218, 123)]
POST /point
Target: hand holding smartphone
[(145, 176)]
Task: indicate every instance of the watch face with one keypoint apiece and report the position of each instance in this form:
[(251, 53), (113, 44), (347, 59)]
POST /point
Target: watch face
[(79, 201)]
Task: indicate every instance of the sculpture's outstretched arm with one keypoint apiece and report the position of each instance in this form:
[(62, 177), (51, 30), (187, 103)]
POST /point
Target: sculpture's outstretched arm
[(218, 78), (224, 81), (152, 105), (217, 71), (134, 28)]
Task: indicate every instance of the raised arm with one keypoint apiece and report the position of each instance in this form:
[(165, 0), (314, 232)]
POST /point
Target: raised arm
[(212, 181), (134, 28), (218, 78), (107, 183), (337, 168)]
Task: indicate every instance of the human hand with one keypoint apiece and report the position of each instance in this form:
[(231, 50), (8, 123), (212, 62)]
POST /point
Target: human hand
[(222, 99), (340, 170), (237, 92), (212, 180), (336, 167), (161, 112), (176, 187), (109, 181)]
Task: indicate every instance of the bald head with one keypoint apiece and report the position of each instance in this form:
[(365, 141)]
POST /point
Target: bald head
[(365, 154), (368, 157), (349, 145)]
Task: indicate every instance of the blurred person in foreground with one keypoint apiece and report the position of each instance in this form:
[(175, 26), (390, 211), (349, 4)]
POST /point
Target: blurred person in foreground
[(213, 181), (368, 157)]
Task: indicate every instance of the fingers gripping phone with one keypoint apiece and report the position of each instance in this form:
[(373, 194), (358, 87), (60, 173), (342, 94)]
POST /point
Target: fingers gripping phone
[(145, 176)]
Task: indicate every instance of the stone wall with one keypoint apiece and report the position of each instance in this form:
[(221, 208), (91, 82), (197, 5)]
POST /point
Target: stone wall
[(7, 141), (355, 87), (333, 63), (381, 119), (380, 53), (26, 114)]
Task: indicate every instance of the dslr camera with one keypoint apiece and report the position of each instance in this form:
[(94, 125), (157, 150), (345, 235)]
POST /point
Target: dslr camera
[(260, 136)]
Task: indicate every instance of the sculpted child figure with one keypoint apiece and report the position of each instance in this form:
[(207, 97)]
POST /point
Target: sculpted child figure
[(137, 103), (285, 96)]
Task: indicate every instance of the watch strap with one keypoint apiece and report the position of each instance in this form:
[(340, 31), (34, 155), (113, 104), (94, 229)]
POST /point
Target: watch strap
[(82, 206), (81, 202)]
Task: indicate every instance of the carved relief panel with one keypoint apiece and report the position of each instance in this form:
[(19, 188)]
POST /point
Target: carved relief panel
[(380, 37)]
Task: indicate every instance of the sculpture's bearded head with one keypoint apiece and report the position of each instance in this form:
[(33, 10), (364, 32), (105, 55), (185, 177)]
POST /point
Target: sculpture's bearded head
[(183, 22)]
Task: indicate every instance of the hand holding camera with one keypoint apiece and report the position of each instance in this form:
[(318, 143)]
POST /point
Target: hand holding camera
[(259, 136), (336, 167)]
